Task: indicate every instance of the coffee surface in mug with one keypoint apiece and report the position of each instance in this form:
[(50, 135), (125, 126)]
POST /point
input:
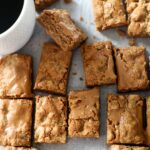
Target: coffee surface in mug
[(9, 13)]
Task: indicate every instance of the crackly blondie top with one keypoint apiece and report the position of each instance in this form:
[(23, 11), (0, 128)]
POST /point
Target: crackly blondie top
[(84, 113), (98, 64), (15, 122), (123, 147), (148, 120), (53, 70), (15, 76), (50, 119), (60, 27), (138, 17), (42, 4), (18, 148), (125, 119), (131, 68), (108, 14)]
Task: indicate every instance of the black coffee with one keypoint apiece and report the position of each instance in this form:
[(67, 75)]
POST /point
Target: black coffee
[(9, 12)]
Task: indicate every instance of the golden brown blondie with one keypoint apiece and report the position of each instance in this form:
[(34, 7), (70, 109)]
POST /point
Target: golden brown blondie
[(50, 119), (125, 119), (98, 64), (84, 113), (61, 28), (53, 70), (131, 68), (109, 14), (138, 18), (15, 122), (15, 76)]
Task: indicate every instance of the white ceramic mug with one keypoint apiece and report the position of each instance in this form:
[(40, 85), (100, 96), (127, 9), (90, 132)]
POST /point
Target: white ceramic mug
[(15, 37)]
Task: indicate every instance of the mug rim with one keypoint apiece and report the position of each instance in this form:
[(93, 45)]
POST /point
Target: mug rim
[(11, 28)]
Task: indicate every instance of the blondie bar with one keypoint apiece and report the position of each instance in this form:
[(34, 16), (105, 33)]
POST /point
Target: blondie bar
[(125, 119), (61, 28), (84, 113), (138, 17), (98, 64), (50, 119), (131, 69), (15, 122), (15, 76), (53, 69), (109, 14)]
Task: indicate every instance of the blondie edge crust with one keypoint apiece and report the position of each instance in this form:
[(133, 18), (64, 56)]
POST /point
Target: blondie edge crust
[(61, 28), (131, 68), (15, 122), (42, 4), (84, 113), (18, 148), (125, 119), (109, 14), (148, 120), (138, 17), (53, 69), (124, 147), (15, 76), (50, 120), (98, 64)]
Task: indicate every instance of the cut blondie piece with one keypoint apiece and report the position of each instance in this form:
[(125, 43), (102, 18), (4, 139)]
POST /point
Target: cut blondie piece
[(18, 148), (148, 121), (53, 69), (131, 69), (138, 18), (60, 27), (98, 64), (50, 119), (109, 14), (123, 147), (84, 113), (15, 122), (15, 76), (125, 119), (42, 4)]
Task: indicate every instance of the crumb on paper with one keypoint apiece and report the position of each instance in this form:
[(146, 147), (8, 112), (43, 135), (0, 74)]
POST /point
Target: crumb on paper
[(132, 42), (94, 37), (74, 73), (81, 79), (67, 1), (81, 18), (121, 32)]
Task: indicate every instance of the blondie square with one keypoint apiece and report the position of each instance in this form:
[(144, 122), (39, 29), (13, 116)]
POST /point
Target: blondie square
[(123, 147), (50, 119), (131, 69), (98, 64), (15, 122), (61, 28), (53, 69), (15, 76), (148, 120), (42, 4), (84, 113), (138, 17), (125, 119), (18, 148), (109, 14)]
